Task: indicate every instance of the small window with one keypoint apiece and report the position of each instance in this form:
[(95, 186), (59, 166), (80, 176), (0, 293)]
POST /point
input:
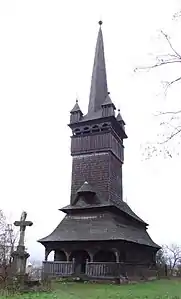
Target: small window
[(77, 132), (95, 128), (105, 127), (86, 130)]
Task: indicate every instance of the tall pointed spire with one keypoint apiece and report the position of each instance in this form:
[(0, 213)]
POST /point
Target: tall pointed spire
[(98, 91)]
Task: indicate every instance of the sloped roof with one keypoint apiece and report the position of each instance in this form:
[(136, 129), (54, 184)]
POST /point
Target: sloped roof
[(121, 205), (95, 228), (119, 118), (92, 115), (86, 187), (83, 205), (76, 108), (108, 101)]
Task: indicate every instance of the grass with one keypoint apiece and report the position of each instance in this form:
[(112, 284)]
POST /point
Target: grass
[(161, 289)]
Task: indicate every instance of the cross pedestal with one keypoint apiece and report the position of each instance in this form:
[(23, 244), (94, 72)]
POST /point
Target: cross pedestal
[(20, 256)]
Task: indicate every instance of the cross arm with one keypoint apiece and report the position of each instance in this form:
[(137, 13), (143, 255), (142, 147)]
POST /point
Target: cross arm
[(23, 223)]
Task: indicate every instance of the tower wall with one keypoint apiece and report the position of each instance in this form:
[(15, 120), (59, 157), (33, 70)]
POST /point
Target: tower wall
[(91, 143), (102, 170)]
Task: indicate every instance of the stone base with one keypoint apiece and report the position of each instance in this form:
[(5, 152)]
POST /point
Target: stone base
[(20, 257), (20, 251)]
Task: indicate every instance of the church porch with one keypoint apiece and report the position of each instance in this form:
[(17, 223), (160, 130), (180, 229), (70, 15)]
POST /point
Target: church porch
[(99, 262), (98, 270)]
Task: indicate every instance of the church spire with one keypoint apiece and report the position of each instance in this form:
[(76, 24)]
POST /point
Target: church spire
[(98, 91)]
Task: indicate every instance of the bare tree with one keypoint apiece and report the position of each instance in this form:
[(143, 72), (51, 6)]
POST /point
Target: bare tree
[(174, 256), (169, 120), (161, 258), (8, 238), (171, 255), (174, 57)]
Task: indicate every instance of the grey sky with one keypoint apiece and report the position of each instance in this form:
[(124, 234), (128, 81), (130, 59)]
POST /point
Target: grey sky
[(46, 58)]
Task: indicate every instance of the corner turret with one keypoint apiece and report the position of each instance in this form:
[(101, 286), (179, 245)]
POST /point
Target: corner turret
[(108, 107), (76, 113)]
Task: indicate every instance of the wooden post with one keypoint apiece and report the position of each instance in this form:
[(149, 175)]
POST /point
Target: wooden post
[(166, 270), (86, 267), (91, 257), (73, 266), (47, 252), (67, 256)]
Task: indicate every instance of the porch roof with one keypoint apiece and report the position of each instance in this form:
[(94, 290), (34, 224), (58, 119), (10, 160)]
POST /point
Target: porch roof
[(97, 228)]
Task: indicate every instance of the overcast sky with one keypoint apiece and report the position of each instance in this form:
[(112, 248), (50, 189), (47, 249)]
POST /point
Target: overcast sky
[(46, 58)]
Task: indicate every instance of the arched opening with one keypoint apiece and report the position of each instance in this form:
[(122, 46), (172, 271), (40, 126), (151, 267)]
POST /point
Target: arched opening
[(76, 132), (59, 255), (49, 255), (95, 128), (105, 256), (105, 127), (86, 130), (80, 257)]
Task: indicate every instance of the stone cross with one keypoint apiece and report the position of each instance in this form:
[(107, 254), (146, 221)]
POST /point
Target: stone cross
[(22, 224)]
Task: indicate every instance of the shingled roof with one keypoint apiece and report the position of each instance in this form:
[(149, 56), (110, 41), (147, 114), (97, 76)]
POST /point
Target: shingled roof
[(119, 118), (108, 101), (96, 228), (119, 204), (98, 91), (76, 108), (86, 187), (122, 206)]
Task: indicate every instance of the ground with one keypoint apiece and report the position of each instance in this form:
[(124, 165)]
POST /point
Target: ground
[(162, 289)]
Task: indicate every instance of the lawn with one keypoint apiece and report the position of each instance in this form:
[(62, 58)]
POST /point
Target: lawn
[(158, 289)]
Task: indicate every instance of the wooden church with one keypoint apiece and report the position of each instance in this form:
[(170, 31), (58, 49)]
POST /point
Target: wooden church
[(100, 236)]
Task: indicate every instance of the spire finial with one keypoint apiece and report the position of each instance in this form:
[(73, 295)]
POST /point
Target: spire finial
[(100, 22), (98, 90), (76, 100), (119, 110)]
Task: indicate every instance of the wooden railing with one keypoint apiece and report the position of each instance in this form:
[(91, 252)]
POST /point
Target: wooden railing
[(58, 268), (97, 269), (104, 269)]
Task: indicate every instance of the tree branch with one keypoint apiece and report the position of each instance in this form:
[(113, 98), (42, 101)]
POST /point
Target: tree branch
[(168, 84), (170, 44), (157, 65), (172, 57), (165, 60), (168, 112), (171, 136)]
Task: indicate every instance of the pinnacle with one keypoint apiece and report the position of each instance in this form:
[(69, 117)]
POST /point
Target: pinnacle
[(108, 101), (119, 118), (76, 107)]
